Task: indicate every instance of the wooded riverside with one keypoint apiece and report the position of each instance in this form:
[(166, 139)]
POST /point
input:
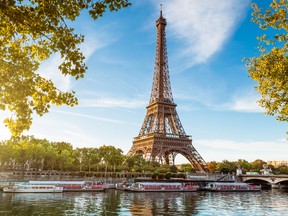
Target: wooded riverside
[(28, 153)]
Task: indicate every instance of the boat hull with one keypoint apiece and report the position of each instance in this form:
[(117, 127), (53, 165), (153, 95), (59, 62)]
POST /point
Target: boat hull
[(233, 190), (84, 190), (232, 187)]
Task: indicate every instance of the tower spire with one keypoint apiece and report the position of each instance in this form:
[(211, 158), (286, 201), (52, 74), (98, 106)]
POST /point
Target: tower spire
[(161, 88)]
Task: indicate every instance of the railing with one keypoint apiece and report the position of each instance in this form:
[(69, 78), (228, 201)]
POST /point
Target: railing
[(164, 135)]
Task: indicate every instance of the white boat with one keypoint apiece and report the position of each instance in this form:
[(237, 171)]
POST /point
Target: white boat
[(231, 186), (161, 187), (74, 186), (28, 188)]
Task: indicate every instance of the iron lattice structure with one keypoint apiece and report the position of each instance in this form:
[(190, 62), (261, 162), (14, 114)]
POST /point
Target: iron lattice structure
[(162, 135)]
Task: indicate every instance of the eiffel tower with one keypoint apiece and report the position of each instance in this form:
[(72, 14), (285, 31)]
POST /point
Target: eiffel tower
[(162, 136)]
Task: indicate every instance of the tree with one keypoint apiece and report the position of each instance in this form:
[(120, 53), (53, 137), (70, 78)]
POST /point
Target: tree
[(111, 156), (91, 156), (270, 69), (212, 166), (78, 153), (50, 157), (64, 157), (30, 32), (245, 165), (38, 149), (226, 166), (22, 153), (7, 154), (135, 162), (257, 165), (282, 170), (187, 168)]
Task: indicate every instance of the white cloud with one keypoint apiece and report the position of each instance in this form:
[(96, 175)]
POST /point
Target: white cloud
[(249, 150), (204, 26), (112, 103), (243, 102), (246, 104), (109, 120)]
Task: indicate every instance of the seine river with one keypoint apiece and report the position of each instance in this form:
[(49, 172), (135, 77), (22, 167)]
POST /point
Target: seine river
[(114, 202)]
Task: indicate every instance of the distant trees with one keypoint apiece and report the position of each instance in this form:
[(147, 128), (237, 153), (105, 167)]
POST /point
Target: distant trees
[(281, 170), (226, 166), (230, 166), (26, 153), (29, 153), (246, 166), (257, 165), (212, 166)]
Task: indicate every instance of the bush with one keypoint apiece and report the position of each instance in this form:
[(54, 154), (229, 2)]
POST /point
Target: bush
[(162, 170), (173, 169), (89, 174), (181, 175), (155, 175), (81, 174), (168, 175), (161, 176)]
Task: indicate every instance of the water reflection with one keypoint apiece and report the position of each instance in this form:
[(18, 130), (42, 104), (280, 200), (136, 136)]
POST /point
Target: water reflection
[(111, 202), (150, 203), (266, 202), (114, 202)]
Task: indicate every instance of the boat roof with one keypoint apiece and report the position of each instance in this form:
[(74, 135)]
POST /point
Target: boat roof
[(56, 182), (159, 183), (228, 183), (33, 185)]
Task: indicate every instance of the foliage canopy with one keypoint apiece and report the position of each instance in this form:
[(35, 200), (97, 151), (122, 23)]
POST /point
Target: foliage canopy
[(30, 31), (270, 69)]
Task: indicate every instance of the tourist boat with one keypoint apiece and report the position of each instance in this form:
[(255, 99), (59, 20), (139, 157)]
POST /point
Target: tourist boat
[(161, 187), (28, 188), (74, 186), (231, 186)]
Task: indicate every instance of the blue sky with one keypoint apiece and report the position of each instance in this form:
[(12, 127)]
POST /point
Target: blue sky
[(215, 98)]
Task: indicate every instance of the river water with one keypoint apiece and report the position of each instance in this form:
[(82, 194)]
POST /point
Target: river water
[(114, 202)]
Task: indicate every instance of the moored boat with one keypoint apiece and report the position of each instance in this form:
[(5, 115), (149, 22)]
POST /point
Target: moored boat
[(74, 186), (161, 187), (231, 186), (28, 188)]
